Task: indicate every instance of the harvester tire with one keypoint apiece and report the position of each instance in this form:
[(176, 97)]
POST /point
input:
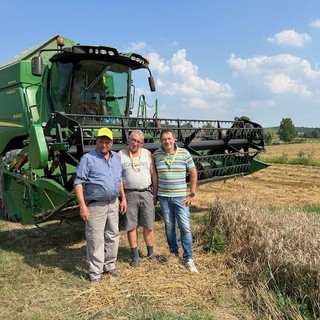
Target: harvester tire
[(8, 215)]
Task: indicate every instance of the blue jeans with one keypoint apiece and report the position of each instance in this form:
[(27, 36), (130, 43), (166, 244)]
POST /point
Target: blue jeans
[(173, 210)]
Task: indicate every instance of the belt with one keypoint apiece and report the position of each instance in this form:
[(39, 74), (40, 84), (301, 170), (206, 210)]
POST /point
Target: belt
[(106, 201), (92, 201), (138, 190)]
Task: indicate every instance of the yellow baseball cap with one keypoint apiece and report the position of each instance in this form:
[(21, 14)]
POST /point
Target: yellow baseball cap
[(105, 132)]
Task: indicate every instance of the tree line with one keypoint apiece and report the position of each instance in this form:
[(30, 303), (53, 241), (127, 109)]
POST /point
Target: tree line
[(287, 132)]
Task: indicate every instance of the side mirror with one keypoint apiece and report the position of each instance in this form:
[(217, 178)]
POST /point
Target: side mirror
[(36, 65), (151, 84)]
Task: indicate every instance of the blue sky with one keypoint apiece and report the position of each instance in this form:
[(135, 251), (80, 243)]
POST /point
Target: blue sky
[(211, 59)]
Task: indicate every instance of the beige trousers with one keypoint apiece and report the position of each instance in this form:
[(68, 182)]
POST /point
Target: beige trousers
[(102, 236)]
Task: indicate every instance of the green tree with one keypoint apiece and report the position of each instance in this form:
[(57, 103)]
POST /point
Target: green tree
[(242, 118), (287, 131), (268, 136), (315, 133), (187, 125)]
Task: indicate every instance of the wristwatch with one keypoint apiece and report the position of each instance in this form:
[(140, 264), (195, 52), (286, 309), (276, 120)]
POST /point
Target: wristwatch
[(192, 194)]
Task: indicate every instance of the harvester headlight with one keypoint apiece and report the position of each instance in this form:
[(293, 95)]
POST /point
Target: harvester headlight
[(102, 51), (136, 59)]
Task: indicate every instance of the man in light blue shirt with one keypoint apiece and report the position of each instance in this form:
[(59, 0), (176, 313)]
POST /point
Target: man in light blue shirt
[(98, 186)]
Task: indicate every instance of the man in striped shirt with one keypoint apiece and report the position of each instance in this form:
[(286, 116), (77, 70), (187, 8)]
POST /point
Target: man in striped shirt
[(172, 164)]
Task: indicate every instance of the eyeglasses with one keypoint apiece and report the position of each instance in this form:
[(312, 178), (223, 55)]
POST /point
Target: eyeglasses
[(136, 141)]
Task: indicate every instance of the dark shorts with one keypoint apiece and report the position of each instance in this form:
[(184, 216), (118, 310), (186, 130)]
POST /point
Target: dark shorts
[(140, 210)]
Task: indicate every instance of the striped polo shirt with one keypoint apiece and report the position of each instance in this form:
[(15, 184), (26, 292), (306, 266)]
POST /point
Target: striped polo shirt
[(171, 170)]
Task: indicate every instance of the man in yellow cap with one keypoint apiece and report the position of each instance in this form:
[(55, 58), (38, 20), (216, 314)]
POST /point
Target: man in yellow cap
[(98, 186)]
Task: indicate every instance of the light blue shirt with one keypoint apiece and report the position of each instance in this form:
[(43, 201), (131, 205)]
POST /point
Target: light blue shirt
[(100, 178)]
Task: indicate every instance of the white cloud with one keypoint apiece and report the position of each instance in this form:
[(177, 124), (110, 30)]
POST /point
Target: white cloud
[(280, 74), (281, 83), (158, 64), (138, 47), (290, 38), (262, 104), (178, 79), (315, 23)]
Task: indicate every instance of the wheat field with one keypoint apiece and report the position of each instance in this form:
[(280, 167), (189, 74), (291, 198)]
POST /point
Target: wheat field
[(277, 185)]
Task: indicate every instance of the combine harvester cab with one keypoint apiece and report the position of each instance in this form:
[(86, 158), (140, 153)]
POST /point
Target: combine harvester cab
[(54, 98)]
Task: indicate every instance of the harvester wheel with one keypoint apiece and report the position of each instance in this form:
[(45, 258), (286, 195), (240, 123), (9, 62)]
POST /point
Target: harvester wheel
[(4, 205), (1, 191), (8, 215)]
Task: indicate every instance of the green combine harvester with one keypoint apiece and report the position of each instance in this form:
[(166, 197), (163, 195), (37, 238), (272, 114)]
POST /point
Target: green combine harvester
[(53, 99)]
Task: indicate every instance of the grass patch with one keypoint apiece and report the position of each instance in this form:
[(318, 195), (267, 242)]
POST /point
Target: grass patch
[(214, 241), (311, 209), (286, 160), (305, 158), (305, 153), (315, 210), (36, 279)]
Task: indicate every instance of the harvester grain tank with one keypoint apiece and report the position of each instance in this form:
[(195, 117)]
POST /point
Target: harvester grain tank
[(53, 99)]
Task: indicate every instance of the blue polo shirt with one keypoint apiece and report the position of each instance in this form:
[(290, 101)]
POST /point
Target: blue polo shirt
[(100, 178)]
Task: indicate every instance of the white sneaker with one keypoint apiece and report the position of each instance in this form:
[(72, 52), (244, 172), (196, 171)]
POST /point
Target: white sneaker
[(190, 265)]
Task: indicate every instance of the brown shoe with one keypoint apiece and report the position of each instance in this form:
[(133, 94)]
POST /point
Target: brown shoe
[(154, 258), (135, 263), (112, 273), (95, 281)]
